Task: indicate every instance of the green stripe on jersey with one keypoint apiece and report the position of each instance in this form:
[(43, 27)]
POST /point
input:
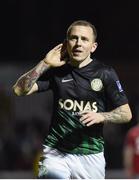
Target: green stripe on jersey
[(68, 134)]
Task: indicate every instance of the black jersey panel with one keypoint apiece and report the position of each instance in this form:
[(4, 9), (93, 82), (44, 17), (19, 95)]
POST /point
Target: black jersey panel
[(113, 88), (43, 85), (90, 88), (45, 81)]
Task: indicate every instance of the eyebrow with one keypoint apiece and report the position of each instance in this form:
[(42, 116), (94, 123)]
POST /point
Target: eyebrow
[(76, 36)]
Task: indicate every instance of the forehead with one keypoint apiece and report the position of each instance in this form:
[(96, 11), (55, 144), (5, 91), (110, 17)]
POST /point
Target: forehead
[(81, 31)]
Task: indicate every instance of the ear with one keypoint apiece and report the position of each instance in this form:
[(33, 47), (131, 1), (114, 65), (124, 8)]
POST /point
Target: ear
[(94, 46), (64, 52), (64, 44)]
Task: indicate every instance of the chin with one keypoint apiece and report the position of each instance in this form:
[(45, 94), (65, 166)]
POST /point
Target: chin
[(78, 59)]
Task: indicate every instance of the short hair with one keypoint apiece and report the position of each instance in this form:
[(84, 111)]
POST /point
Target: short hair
[(83, 23)]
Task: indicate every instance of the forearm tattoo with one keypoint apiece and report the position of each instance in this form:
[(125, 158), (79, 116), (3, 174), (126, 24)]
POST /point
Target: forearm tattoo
[(118, 115), (26, 81)]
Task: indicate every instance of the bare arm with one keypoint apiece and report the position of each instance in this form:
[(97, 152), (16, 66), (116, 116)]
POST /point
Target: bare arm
[(121, 114), (26, 84)]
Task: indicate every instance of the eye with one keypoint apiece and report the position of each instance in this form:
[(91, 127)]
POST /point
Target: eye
[(73, 38), (85, 39)]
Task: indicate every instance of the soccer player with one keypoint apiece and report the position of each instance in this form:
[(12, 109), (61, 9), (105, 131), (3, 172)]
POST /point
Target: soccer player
[(83, 89)]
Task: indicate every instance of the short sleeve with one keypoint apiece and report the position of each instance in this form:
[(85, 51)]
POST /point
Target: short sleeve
[(113, 88), (45, 81)]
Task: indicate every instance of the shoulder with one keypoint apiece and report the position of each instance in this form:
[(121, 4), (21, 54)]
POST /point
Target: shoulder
[(101, 65), (103, 68)]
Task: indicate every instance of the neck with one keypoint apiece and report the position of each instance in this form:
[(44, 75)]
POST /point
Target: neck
[(81, 64)]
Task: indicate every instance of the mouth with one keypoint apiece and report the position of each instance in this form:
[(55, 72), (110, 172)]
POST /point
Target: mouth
[(77, 52)]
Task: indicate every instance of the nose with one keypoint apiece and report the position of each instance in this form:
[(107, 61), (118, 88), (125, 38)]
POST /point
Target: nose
[(78, 42)]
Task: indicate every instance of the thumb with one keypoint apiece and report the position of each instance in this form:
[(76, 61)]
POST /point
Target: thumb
[(62, 63)]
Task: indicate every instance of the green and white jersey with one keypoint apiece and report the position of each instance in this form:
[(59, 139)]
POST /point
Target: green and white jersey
[(94, 87)]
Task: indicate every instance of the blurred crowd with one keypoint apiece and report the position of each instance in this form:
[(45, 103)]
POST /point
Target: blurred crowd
[(20, 139)]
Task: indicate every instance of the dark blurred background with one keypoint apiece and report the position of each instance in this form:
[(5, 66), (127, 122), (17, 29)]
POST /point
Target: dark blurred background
[(28, 29)]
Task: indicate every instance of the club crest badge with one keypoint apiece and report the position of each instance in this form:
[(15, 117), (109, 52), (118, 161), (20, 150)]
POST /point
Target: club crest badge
[(96, 84)]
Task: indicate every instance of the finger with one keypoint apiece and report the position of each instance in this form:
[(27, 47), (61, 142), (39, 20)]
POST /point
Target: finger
[(91, 123), (84, 117), (64, 46), (83, 112), (63, 54), (88, 120), (58, 47), (62, 63)]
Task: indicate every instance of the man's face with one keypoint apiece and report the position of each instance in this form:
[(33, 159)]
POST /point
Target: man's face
[(80, 43)]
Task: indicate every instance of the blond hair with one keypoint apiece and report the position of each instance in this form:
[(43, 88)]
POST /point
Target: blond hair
[(83, 23)]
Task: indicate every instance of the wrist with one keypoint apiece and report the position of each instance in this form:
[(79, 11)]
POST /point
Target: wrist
[(102, 118), (46, 64)]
